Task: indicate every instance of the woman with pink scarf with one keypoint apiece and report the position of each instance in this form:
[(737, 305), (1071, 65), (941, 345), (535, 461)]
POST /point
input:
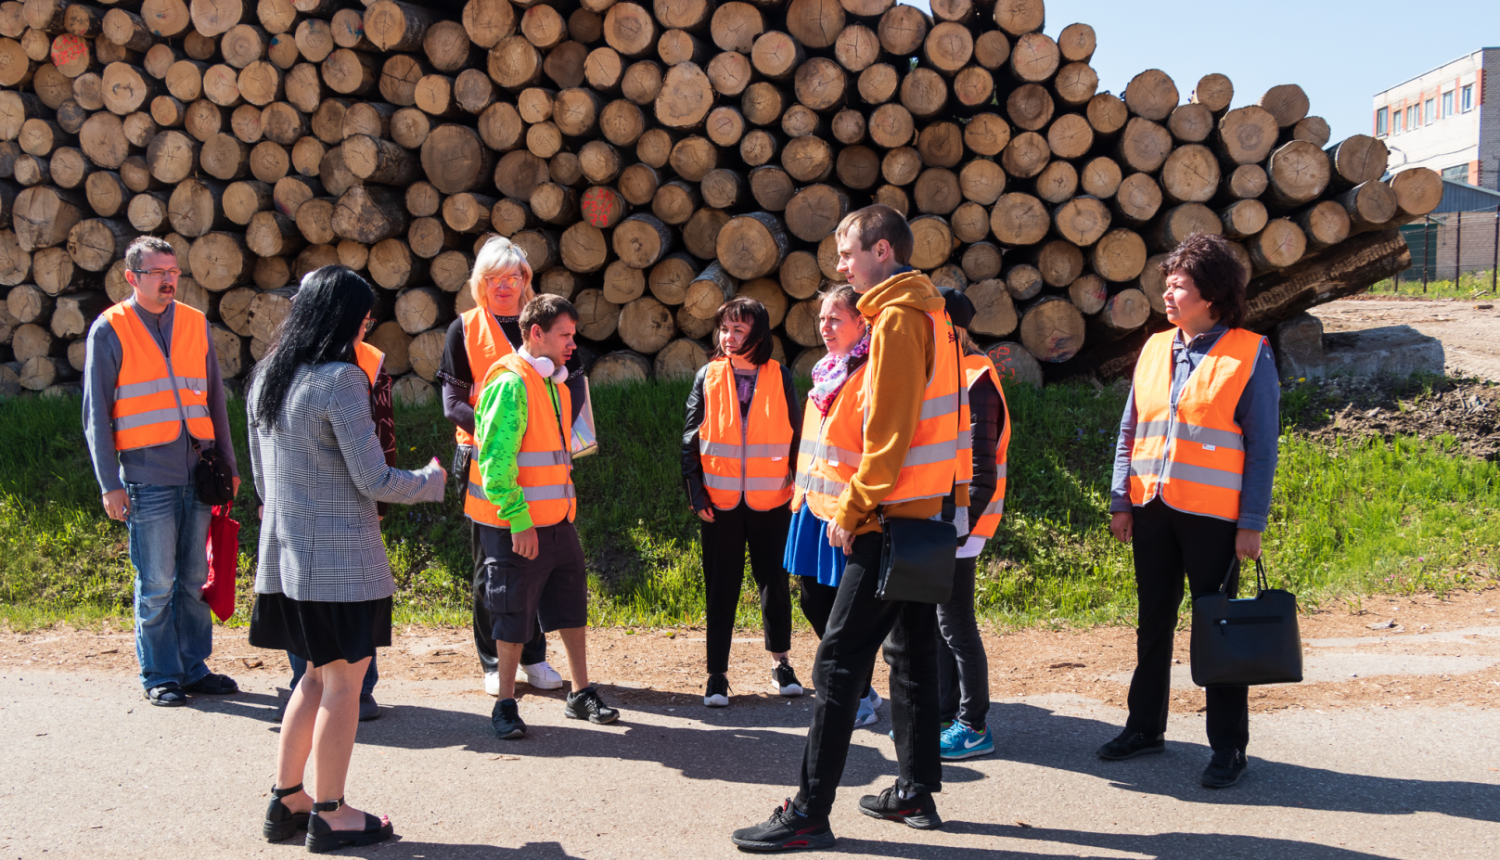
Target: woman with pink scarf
[(837, 380)]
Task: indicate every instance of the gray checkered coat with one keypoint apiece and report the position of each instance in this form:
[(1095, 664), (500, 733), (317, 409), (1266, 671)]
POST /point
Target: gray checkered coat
[(320, 471)]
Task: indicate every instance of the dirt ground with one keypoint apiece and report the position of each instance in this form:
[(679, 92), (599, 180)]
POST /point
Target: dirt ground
[(1469, 335), (1468, 410), (1393, 652)]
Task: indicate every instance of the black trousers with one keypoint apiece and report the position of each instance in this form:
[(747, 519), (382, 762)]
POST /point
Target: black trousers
[(817, 604), (1168, 543), (858, 625), (534, 651), (724, 543), (963, 668)]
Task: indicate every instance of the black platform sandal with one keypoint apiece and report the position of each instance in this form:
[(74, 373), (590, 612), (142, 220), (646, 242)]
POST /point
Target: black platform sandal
[(321, 838), (282, 823)]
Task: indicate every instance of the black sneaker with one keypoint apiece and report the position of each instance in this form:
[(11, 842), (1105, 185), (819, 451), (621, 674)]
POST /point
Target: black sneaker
[(1131, 744), (717, 694), (919, 811), (785, 680), (168, 695), (506, 720), (785, 830), (586, 705), (1225, 768), (213, 685)]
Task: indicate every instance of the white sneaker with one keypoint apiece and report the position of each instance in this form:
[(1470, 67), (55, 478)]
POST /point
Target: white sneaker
[(869, 710), (539, 675), (492, 683)]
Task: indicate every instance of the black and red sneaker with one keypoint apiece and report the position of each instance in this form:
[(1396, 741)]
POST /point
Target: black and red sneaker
[(786, 830), (919, 812)]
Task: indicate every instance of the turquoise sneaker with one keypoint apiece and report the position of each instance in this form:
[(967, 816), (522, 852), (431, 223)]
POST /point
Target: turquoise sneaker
[(960, 742), (869, 710)]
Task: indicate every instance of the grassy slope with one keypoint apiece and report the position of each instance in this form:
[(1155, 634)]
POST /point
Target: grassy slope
[(1347, 520)]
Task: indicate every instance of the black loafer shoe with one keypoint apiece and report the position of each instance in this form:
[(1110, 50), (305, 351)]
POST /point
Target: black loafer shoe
[(368, 708), (213, 685), (168, 695), (1131, 744), (1225, 768)]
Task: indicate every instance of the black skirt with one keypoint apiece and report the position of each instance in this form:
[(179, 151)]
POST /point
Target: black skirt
[(321, 632)]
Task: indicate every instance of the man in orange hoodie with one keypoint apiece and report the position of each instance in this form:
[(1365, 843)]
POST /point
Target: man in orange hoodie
[(906, 318)]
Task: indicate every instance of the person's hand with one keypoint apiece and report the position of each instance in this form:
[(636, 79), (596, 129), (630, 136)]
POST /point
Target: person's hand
[(525, 543), (839, 537), (439, 463), (1122, 526), (260, 512), (236, 486), (707, 514), (116, 504), (1247, 544)]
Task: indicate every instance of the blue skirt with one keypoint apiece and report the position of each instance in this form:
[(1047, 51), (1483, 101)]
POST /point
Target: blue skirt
[(808, 552)]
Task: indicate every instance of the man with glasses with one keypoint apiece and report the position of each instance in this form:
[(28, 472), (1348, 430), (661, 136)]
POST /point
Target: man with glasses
[(152, 399)]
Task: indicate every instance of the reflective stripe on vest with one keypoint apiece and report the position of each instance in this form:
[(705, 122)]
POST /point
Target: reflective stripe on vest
[(1192, 455), (484, 344), (543, 466), (832, 448), (149, 406), (975, 367), (745, 455), (933, 466), (369, 360)]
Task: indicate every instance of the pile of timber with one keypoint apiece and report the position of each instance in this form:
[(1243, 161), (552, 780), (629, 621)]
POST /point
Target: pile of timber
[(653, 160)]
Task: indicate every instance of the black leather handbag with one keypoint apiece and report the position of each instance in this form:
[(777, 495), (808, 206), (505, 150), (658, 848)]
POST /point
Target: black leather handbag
[(1238, 643), (916, 560)]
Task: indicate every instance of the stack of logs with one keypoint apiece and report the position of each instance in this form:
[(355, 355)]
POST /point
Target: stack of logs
[(653, 160)]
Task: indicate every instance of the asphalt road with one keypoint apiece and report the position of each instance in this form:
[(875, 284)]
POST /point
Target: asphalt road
[(90, 770)]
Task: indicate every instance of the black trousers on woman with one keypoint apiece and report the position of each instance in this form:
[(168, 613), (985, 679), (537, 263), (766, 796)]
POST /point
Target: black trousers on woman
[(1169, 543), (724, 543)]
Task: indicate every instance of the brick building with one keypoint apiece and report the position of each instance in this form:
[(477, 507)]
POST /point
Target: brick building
[(1446, 119)]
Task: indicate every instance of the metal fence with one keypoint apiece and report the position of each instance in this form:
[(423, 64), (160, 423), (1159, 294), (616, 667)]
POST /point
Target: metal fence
[(1445, 246)]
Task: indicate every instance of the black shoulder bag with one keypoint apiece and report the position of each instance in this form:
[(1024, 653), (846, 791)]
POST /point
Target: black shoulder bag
[(212, 476), (916, 560), (1237, 643)]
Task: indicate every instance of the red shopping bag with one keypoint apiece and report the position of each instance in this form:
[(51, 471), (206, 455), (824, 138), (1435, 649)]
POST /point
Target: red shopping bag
[(223, 561)]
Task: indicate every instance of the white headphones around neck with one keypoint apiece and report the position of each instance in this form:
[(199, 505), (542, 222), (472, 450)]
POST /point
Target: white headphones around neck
[(545, 367)]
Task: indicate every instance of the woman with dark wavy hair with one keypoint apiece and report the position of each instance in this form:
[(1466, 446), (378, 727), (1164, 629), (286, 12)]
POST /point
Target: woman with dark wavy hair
[(323, 585)]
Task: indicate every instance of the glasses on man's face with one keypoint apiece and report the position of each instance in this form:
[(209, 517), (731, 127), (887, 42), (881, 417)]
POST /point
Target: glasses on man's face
[(158, 274)]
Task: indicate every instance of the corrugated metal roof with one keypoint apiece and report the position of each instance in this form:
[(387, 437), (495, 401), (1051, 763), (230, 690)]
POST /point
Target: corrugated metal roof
[(1463, 197)]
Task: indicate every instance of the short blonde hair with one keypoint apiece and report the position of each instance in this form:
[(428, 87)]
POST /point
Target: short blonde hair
[(500, 256)]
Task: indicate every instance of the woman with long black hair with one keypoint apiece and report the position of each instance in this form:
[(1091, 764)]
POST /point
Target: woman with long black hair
[(323, 585)]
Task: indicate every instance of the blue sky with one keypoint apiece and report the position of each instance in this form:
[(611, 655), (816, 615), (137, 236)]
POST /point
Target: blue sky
[(1340, 52)]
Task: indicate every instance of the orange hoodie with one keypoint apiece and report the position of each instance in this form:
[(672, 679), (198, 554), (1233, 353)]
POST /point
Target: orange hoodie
[(896, 310)]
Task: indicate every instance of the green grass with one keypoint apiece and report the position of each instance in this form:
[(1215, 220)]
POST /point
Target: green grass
[(1347, 520), (1470, 285)]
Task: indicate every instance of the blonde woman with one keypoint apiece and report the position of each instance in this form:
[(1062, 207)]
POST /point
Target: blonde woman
[(501, 286)]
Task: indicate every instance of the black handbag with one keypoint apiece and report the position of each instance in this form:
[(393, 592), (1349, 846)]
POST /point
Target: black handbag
[(916, 560), (212, 477), (1238, 643)]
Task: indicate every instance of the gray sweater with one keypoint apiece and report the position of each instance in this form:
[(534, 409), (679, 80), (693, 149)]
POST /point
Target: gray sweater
[(167, 465)]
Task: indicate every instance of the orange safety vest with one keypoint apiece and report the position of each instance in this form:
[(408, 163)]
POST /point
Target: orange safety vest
[(939, 456), (148, 394), (748, 455), (369, 360), (832, 448), (975, 367), (1193, 455), (484, 344), (545, 468)]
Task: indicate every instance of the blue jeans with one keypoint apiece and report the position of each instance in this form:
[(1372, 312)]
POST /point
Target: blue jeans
[(168, 529), (299, 668)]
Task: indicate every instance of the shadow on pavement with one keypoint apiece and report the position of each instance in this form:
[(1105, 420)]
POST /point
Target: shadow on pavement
[(441, 851), (1038, 736), (1178, 846)]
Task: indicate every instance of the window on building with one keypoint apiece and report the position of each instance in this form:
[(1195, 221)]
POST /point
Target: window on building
[(1411, 116), (1456, 173), (1396, 122), (1448, 103), (1466, 98), (1380, 121), (1429, 112)]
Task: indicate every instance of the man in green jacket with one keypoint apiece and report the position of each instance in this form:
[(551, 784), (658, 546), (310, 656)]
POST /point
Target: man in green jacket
[(524, 503)]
